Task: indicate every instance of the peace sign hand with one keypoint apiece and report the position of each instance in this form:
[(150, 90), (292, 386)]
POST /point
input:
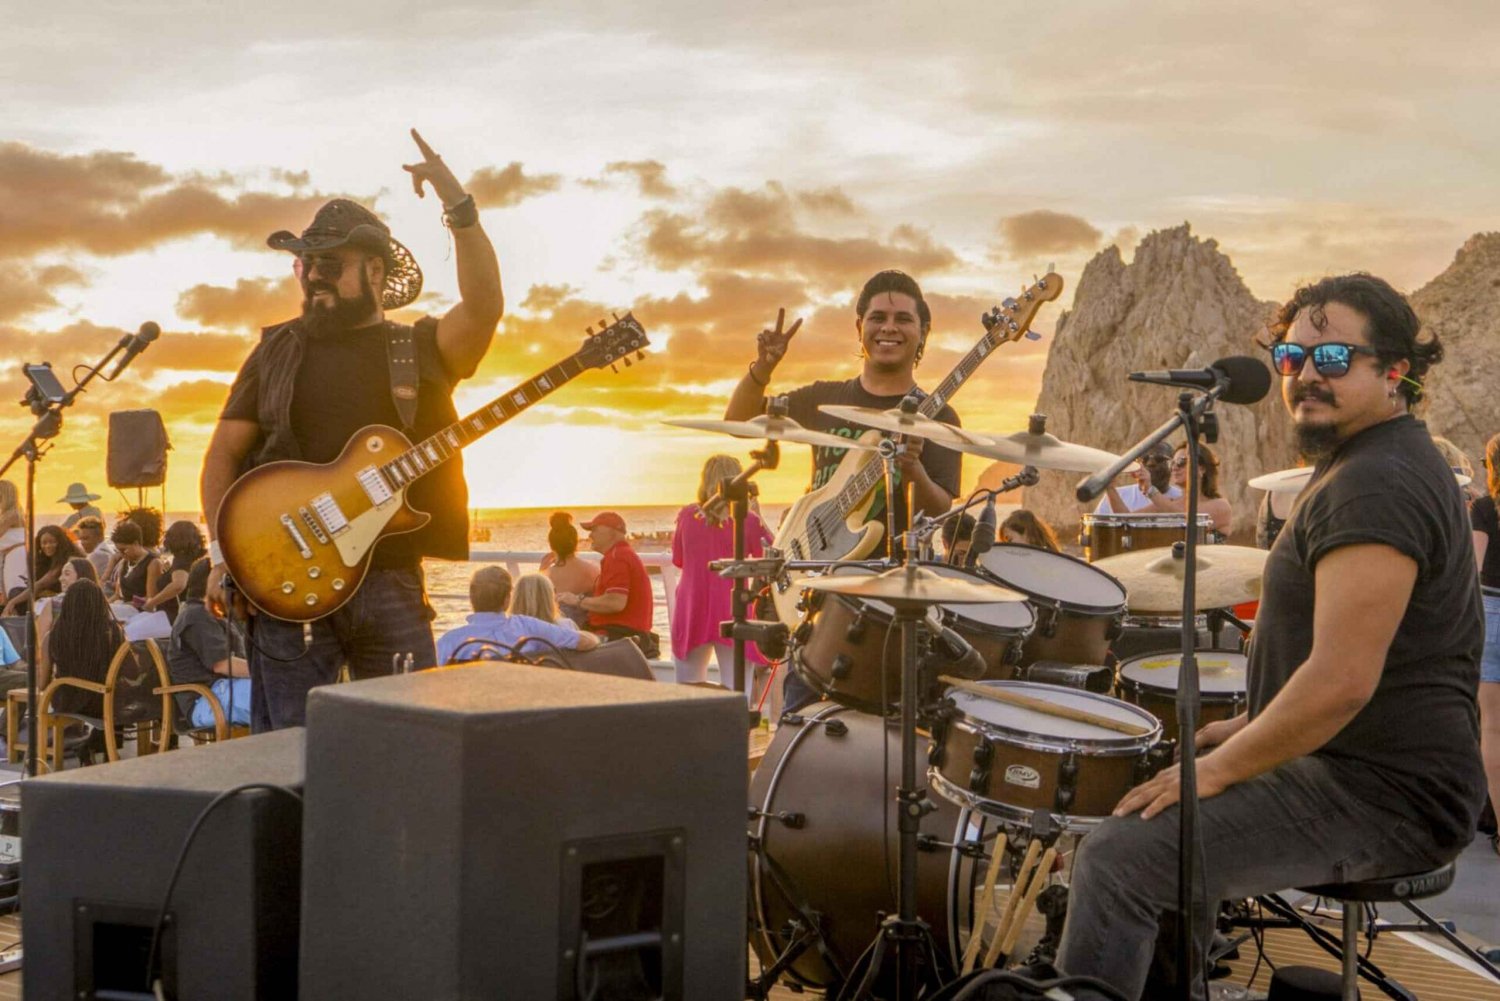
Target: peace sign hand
[(434, 171), (771, 345)]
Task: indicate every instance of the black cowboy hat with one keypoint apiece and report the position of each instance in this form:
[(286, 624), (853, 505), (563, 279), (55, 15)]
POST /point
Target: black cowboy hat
[(342, 222)]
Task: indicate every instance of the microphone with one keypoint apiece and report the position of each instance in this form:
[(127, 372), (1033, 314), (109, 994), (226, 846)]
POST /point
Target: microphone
[(951, 653), (983, 539), (1240, 378), (134, 344)]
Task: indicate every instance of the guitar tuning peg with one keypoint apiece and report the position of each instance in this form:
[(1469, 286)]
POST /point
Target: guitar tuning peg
[(626, 360), (640, 355), (616, 316), (1032, 335), (589, 331), (1051, 267), (602, 324), (613, 368)]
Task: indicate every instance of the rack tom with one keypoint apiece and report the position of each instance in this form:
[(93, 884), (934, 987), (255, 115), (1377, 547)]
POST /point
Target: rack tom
[(998, 631), (1078, 607), (1111, 534), (1150, 681), (1009, 761)]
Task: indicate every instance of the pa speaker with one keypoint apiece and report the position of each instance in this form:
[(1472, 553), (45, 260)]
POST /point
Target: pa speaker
[(137, 449), (506, 831), (99, 848)]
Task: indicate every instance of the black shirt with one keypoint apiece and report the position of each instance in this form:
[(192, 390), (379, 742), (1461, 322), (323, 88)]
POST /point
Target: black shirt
[(1483, 518), (1414, 747), (942, 464), (342, 385), (197, 644)]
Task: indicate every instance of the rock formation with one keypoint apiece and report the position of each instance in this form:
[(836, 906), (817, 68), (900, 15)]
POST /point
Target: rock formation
[(1179, 304), (1462, 306)]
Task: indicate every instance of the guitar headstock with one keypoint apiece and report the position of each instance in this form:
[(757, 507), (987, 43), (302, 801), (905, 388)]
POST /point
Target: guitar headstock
[(1011, 320), (614, 342)]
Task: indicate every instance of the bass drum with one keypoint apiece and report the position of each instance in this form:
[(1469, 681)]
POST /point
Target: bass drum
[(825, 843)]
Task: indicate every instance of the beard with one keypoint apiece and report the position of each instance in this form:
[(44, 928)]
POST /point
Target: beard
[(1314, 441), (341, 314)]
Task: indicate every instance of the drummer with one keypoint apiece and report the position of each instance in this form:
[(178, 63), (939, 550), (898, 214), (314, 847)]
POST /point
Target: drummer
[(1210, 501), (1153, 477), (1359, 757)]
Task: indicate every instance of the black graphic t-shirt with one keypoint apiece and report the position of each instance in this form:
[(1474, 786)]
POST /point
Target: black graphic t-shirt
[(1414, 747), (942, 464)]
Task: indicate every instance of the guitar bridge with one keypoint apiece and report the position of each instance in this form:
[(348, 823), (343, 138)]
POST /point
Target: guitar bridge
[(301, 543), (313, 526)]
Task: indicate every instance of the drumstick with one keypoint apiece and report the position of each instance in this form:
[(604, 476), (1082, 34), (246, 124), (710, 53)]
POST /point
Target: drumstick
[(1016, 886), (986, 900), (995, 694), (1024, 911)]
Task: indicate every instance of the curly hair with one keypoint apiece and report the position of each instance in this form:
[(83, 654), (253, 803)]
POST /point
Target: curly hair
[(149, 520), (1394, 330), (65, 550), (185, 540)]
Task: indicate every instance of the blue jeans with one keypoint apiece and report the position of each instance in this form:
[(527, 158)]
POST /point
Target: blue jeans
[(387, 616), (1293, 826), (1489, 665)]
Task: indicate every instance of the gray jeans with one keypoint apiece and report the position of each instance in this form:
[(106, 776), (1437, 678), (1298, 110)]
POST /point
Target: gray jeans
[(1293, 826)]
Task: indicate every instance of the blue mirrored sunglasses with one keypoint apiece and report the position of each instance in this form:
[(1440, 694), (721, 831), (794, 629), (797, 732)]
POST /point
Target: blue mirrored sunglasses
[(1330, 359)]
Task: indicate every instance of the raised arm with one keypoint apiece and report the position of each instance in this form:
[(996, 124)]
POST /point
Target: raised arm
[(749, 396)]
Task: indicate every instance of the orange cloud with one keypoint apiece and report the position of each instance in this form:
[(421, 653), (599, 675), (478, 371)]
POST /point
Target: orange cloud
[(251, 303), (650, 177), (25, 290), (1028, 234), (507, 186)]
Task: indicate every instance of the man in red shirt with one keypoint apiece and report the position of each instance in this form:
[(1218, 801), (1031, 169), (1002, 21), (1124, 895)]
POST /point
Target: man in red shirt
[(621, 604)]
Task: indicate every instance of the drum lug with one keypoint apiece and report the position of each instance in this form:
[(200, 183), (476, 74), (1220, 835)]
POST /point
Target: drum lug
[(1125, 542), (1046, 623), (1116, 628), (1067, 782), (979, 777), (842, 665), (855, 633), (1154, 760), (796, 821), (803, 633), (835, 727)]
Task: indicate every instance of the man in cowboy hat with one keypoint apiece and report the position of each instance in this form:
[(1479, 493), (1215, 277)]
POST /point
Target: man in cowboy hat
[(313, 381), (79, 498)]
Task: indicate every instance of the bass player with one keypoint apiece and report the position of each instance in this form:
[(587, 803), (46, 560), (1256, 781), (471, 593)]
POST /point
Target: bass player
[(312, 382)]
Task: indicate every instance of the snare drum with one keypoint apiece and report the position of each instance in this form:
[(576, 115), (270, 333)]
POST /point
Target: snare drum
[(1150, 681), (1111, 534), (1079, 608), (1009, 761), (824, 836)]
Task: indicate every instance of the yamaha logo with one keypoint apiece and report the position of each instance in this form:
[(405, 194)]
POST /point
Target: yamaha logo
[(1021, 775)]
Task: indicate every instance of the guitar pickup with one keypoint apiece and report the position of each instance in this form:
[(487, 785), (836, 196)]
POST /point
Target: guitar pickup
[(313, 526), (329, 513), (375, 488), (301, 543)]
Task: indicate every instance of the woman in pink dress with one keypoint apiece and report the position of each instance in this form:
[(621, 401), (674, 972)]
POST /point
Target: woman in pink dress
[(703, 597)]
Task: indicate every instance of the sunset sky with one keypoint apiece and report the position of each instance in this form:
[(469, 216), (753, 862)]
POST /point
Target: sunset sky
[(702, 164)]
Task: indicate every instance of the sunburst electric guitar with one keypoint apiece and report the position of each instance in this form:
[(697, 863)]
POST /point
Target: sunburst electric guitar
[(829, 523), (297, 536)]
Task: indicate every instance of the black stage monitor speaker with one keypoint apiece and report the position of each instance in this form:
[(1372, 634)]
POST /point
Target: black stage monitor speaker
[(507, 831), (137, 449), (100, 845)]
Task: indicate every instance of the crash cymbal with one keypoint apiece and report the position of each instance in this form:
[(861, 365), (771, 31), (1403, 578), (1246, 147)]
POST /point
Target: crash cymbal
[(1044, 451), (900, 422), (913, 586), (1227, 575), (1283, 481), (772, 429)]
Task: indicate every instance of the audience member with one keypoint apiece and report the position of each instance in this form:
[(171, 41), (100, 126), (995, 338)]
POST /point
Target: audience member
[(1153, 477), (76, 569), (1210, 501), (54, 547), (134, 570), (12, 665), (202, 653), (81, 643), (149, 518), (491, 632), (704, 532), (81, 501), (12, 539), (564, 569), (90, 535), (1486, 525), (183, 544), (621, 605), (1463, 469), (958, 536), (1025, 527), (534, 596)]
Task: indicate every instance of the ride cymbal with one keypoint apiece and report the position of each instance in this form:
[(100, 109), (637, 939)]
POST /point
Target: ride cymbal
[(1283, 481), (914, 586), (771, 429), (1044, 451), (1153, 578), (901, 422)]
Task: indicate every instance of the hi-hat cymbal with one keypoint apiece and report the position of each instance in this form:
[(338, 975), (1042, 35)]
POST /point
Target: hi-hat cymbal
[(1044, 451), (1153, 578), (772, 429), (1283, 481), (913, 586), (900, 422)]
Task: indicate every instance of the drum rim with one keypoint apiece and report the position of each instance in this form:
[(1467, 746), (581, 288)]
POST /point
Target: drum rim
[(1216, 696), (986, 627), (1117, 746), (1036, 597), (1169, 519), (1003, 812)]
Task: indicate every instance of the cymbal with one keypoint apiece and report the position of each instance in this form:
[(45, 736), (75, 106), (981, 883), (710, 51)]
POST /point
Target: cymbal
[(1283, 481), (1044, 451), (1227, 575), (900, 422), (917, 586), (772, 429)]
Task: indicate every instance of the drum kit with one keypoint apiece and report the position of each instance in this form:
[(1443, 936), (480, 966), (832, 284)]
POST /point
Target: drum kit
[(1003, 678)]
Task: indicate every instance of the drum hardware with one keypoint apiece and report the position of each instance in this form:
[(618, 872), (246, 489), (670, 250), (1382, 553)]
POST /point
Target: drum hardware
[(1087, 677), (787, 818), (834, 727)]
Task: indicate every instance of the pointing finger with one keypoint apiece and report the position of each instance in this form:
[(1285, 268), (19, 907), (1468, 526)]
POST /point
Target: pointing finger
[(428, 153), (780, 319)]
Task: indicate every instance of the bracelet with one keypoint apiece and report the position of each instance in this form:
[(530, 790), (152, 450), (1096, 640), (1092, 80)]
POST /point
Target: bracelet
[(461, 214), (215, 554), (751, 372)]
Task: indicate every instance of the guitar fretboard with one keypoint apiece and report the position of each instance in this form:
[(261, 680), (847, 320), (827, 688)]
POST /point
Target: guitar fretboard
[(432, 452)]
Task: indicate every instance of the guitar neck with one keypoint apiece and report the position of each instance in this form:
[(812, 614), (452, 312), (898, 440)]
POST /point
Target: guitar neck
[(427, 455)]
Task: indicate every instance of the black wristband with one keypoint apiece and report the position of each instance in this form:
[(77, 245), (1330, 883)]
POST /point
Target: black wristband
[(751, 371), (462, 214)]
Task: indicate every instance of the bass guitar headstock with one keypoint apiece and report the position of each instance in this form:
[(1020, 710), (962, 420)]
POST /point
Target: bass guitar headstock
[(1011, 320)]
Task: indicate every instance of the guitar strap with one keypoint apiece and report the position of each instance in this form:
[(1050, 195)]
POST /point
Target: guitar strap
[(401, 360)]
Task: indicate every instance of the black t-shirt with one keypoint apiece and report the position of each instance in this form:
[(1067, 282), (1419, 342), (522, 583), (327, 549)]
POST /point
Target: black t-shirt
[(942, 464), (1483, 518), (133, 576), (342, 385), (197, 645), (1414, 747)]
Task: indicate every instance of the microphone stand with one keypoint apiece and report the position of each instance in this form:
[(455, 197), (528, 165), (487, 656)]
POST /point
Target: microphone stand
[(929, 526), (49, 421), (1194, 415)]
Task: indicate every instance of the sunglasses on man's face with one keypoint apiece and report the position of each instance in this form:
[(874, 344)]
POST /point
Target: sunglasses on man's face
[(1329, 359), (325, 266)]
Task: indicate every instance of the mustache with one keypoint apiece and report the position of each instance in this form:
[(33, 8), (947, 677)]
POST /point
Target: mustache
[(1316, 393)]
